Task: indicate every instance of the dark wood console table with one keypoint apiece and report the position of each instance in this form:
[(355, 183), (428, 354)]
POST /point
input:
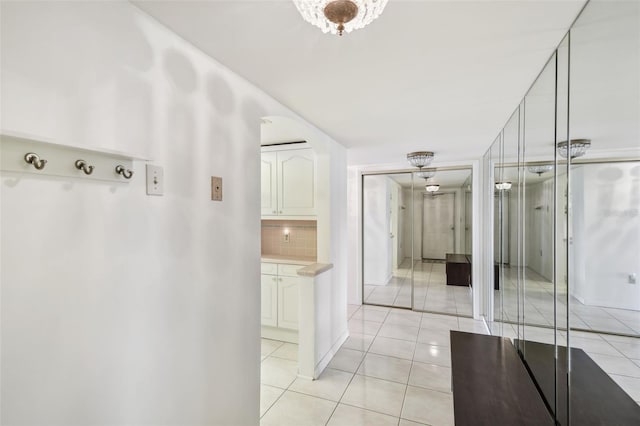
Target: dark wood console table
[(458, 269), (491, 385)]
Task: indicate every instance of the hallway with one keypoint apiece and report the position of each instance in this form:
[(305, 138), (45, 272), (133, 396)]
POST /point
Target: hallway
[(393, 370)]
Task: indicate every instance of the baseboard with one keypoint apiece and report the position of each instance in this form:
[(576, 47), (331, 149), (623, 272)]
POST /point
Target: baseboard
[(326, 359), (281, 334)]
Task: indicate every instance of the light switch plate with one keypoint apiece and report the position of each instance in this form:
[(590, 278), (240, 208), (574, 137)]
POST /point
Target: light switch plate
[(155, 180), (216, 188)]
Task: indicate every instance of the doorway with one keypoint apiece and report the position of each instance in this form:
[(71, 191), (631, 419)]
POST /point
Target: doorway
[(407, 233), (438, 226)]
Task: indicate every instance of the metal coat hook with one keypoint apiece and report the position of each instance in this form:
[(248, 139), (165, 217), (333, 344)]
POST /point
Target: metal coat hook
[(126, 173), (33, 158), (82, 165)]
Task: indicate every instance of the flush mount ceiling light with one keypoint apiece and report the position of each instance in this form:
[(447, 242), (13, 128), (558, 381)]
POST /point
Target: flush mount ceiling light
[(432, 188), (539, 170), (420, 159), (574, 149), (426, 174), (338, 16), (503, 186)]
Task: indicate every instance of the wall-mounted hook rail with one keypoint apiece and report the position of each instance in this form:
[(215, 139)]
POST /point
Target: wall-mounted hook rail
[(82, 165), (33, 158), (24, 154), (126, 173)]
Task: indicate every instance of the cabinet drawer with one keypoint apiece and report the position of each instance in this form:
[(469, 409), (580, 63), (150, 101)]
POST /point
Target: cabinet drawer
[(269, 268), (288, 270)]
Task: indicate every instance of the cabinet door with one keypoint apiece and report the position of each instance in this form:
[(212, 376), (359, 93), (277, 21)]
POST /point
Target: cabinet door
[(297, 182), (288, 302), (268, 184), (269, 300)]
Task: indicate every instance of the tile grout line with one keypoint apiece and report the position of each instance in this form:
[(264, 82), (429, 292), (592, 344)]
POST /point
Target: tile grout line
[(356, 372)]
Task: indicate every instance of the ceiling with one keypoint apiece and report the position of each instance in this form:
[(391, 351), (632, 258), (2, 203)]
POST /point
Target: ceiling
[(444, 178), (435, 75)]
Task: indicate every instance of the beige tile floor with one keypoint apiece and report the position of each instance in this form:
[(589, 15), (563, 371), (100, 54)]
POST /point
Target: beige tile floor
[(431, 292), (395, 369), (539, 309)]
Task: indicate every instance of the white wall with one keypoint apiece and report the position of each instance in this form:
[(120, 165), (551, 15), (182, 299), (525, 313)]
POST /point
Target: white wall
[(606, 236), (117, 307)]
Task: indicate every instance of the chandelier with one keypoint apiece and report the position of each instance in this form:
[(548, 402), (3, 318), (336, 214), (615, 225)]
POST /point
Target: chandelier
[(339, 16), (575, 148), (426, 174), (503, 186), (540, 169), (432, 188), (420, 159)]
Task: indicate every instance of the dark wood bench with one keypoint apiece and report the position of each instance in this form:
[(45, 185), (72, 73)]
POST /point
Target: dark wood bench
[(595, 399), (458, 269), (491, 385)]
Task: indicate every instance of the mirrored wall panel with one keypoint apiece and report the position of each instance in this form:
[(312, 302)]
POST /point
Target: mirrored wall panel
[(605, 175), (417, 240), (562, 191), (442, 241)]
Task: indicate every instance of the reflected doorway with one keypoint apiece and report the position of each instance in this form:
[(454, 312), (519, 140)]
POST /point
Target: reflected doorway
[(407, 235), (438, 225)]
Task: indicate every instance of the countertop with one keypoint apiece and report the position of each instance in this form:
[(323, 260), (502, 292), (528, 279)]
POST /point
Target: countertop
[(291, 260), (309, 266)]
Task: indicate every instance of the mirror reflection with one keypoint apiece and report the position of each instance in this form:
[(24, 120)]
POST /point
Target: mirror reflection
[(417, 240), (442, 241)]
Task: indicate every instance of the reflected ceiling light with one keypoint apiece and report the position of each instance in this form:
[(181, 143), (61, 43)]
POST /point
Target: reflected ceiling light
[(576, 148), (420, 159), (338, 16), (539, 170), (432, 188), (503, 186), (426, 174)]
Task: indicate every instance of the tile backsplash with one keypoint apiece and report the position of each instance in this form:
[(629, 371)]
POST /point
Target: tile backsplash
[(303, 238)]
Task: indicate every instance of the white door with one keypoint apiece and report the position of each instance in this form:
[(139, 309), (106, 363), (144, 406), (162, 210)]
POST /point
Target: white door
[(268, 184), (288, 302), (438, 225), (269, 300), (297, 182)]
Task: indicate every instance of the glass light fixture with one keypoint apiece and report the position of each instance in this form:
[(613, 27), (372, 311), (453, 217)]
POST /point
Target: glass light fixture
[(540, 169), (574, 148), (503, 186), (420, 159), (426, 174), (432, 188), (339, 16)]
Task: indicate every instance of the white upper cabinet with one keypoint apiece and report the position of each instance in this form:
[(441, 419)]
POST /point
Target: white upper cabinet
[(292, 192), (269, 185)]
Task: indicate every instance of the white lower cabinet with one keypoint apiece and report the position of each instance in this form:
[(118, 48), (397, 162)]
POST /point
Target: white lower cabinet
[(288, 303), (279, 299), (269, 305)]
